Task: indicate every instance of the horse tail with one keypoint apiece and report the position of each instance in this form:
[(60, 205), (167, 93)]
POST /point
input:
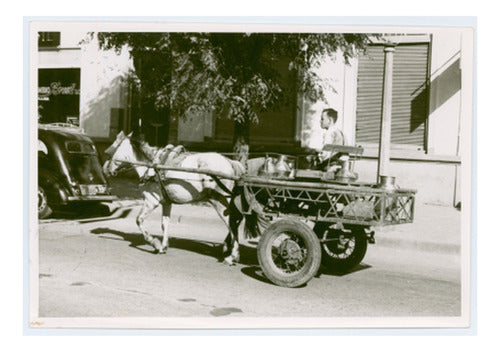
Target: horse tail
[(253, 217), (255, 224)]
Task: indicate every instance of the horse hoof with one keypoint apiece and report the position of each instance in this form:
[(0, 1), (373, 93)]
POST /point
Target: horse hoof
[(229, 261), (157, 245)]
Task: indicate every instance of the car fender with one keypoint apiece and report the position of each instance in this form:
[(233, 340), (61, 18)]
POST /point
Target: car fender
[(56, 192)]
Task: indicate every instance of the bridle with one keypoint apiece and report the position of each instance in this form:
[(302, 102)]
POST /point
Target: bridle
[(127, 166)]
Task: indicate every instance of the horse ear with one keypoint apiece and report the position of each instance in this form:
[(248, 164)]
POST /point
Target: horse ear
[(130, 134), (112, 148)]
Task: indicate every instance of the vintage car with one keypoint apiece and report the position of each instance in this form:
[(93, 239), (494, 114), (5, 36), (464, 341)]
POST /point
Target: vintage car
[(69, 170)]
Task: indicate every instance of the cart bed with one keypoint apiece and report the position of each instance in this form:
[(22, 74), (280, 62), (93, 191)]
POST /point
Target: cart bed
[(356, 203)]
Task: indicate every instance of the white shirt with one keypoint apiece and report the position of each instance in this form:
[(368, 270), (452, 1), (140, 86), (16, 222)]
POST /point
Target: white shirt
[(332, 136)]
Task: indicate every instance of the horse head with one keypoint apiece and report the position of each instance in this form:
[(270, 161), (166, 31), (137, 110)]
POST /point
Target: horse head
[(121, 151), (118, 150)]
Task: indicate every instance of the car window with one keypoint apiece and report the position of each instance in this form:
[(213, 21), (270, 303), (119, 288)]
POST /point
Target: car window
[(80, 147)]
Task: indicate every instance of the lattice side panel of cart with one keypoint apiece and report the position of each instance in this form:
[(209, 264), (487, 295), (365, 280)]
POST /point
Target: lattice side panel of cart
[(332, 203)]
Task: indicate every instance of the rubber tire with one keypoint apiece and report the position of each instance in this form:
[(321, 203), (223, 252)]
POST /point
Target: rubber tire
[(313, 260), (46, 210), (357, 255)]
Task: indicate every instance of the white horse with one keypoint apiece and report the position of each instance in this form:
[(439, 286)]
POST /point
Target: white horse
[(178, 187)]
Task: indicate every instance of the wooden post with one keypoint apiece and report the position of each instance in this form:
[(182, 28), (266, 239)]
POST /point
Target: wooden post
[(385, 125)]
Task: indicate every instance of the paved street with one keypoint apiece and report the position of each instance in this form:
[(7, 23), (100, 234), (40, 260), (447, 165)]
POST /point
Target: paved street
[(101, 267)]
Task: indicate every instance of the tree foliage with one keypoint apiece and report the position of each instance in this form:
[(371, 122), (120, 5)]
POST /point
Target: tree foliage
[(230, 74)]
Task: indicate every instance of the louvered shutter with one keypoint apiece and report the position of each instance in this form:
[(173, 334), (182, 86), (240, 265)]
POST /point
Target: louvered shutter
[(409, 96)]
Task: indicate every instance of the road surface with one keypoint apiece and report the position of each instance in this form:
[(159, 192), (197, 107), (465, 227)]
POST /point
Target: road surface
[(101, 267)]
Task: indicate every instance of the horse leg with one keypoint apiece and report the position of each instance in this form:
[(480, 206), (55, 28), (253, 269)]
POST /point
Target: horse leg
[(151, 202), (231, 241), (165, 220), (231, 251)]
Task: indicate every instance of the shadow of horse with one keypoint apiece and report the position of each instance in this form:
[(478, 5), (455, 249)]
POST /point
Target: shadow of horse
[(248, 255), (135, 239), (210, 249)]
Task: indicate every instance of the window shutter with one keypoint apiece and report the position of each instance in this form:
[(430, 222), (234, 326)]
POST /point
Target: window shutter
[(409, 95)]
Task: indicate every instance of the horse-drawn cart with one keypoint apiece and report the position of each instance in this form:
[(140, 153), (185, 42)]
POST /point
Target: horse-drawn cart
[(314, 222), (298, 217)]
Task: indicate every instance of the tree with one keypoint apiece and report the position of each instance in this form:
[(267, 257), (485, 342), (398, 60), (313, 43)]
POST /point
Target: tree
[(232, 75)]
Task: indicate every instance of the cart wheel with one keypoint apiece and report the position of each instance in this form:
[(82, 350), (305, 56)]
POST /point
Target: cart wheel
[(289, 253), (347, 249), (44, 209)]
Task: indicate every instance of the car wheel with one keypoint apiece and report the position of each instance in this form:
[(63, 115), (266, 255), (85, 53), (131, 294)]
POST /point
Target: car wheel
[(44, 209)]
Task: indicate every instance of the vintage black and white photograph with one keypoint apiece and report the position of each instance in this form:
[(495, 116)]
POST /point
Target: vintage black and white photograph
[(189, 175)]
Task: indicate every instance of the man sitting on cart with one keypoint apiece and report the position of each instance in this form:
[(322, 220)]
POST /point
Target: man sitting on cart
[(332, 135)]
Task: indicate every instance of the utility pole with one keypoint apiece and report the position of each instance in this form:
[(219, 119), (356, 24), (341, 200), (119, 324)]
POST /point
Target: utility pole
[(385, 125)]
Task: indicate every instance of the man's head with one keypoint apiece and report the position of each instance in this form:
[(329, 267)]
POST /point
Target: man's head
[(328, 118)]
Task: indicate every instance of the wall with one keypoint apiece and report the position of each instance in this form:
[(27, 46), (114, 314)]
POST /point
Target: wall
[(103, 87), (436, 175), (101, 82), (340, 92), (434, 181), (445, 93), (67, 54), (444, 96), (63, 58)]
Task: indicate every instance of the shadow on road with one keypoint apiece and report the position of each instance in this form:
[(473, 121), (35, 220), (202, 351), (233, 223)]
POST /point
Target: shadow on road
[(205, 248), (82, 211), (248, 256), (87, 213), (136, 239), (255, 272), (333, 272)]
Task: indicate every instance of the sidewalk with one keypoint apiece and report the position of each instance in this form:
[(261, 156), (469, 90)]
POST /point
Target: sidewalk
[(435, 228)]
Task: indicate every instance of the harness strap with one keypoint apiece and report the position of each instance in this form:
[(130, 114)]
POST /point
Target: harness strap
[(221, 185), (162, 185)]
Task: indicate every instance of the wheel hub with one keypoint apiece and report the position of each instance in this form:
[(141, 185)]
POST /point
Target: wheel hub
[(291, 252), (342, 242)]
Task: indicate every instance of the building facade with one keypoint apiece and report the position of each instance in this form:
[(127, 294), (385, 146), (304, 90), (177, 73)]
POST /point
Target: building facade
[(79, 82), (428, 110)]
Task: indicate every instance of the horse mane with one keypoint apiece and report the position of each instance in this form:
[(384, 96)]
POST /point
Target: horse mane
[(142, 146)]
